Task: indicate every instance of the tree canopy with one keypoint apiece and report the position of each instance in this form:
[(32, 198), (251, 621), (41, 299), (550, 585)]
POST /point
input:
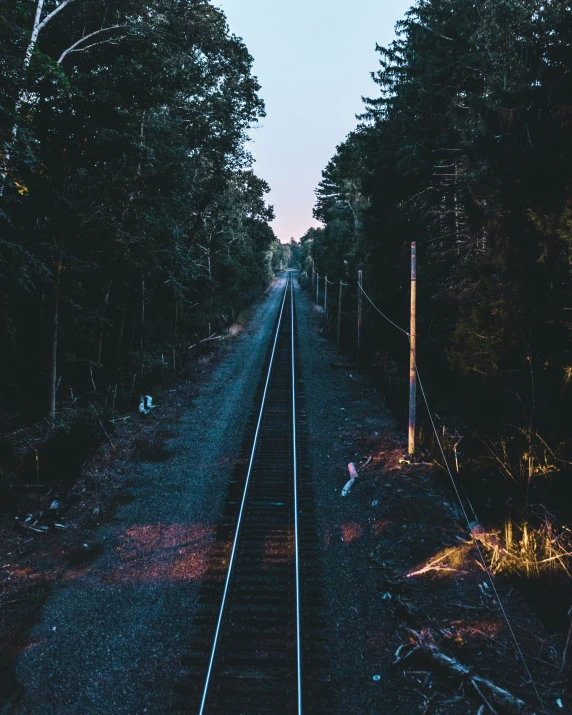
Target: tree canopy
[(466, 149), (131, 221)]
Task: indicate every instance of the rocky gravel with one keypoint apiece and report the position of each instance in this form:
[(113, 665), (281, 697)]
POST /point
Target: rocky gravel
[(110, 603), (397, 519), (114, 627)]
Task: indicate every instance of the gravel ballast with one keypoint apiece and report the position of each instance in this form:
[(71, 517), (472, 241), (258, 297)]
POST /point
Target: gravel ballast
[(116, 622), (396, 519), (111, 636)]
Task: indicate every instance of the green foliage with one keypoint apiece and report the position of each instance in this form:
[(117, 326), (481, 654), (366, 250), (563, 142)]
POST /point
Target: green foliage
[(129, 208), (279, 256), (467, 150)]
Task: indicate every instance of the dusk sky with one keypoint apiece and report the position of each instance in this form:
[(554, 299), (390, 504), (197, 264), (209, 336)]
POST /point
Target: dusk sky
[(313, 59)]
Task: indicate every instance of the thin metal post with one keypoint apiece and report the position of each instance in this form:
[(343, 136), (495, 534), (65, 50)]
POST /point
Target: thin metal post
[(359, 309), (340, 314), (326, 296), (412, 353), (317, 288)]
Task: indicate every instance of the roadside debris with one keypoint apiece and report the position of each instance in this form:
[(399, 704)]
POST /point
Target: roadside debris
[(353, 476), (448, 560), (487, 538), (124, 418), (565, 652), (41, 521), (146, 404), (102, 426), (422, 648), (214, 336), (32, 523)]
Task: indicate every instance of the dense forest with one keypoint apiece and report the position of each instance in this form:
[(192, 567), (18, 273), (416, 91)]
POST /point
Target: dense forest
[(132, 225), (465, 147)]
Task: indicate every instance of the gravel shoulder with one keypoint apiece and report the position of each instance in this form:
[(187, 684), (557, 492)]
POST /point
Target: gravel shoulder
[(113, 619), (396, 519), (115, 624)]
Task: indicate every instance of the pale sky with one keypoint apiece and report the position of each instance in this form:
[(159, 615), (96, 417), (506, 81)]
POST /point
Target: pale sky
[(313, 59)]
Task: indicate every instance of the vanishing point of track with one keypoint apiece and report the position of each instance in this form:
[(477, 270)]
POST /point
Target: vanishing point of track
[(258, 645)]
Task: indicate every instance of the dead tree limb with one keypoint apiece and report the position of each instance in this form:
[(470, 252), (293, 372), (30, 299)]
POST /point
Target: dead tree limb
[(423, 649)]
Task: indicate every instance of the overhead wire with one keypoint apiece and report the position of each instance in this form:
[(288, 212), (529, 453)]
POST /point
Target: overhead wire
[(465, 514), (382, 314), (476, 543)]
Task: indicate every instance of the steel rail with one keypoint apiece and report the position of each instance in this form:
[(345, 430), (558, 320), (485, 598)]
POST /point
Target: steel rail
[(295, 478), (240, 514)]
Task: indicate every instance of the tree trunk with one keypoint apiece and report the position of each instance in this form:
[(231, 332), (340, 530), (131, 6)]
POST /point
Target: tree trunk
[(54, 352), (142, 309), (120, 342), (141, 141), (38, 26), (105, 302)]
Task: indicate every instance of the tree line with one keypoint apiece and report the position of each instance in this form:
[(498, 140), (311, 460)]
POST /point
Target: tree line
[(132, 223), (466, 148)]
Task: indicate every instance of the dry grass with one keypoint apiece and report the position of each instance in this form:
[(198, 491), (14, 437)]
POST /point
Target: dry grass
[(531, 551)]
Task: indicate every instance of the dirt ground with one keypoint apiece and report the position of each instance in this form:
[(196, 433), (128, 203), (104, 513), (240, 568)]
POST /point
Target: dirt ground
[(94, 618), (397, 519), (97, 618)]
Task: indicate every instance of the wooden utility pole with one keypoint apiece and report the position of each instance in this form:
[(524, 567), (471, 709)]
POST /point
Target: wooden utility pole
[(412, 353), (359, 309), (326, 297), (340, 314)]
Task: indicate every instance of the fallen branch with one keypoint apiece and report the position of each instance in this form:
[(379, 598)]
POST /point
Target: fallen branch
[(423, 648), (487, 538), (214, 336), (565, 652), (435, 565), (482, 696), (101, 425), (31, 486)]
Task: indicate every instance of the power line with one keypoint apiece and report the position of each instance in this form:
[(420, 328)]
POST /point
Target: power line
[(382, 314), (475, 541), (457, 492)]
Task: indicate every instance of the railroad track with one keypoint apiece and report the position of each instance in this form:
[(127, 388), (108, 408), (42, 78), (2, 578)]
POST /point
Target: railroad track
[(258, 645)]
